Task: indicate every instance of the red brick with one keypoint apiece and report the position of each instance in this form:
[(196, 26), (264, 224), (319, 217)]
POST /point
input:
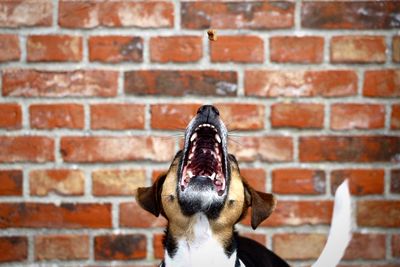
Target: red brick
[(117, 116), (260, 238), (396, 245), (61, 181), (330, 83), (130, 210), (61, 247), (158, 246), (298, 246), (10, 116), (308, 115), (396, 49), (157, 173), (94, 13), (256, 177), (26, 149), (50, 116), (172, 116), (298, 181), (117, 182), (237, 15), (349, 148), (13, 248), (113, 149), (120, 247), (382, 83), (66, 215), (395, 117), (239, 116), (241, 49), (357, 116), (378, 213), (395, 181), (366, 247), (361, 181), (265, 148), (54, 48), (113, 49), (180, 83), (178, 49), (33, 83), (350, 14), (15, 14), (10, 182), (296, 49), (9, 47), (358, 49), (296, 213)]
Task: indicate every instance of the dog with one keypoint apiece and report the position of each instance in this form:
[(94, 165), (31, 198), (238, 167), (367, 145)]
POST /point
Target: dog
[(203, 196)]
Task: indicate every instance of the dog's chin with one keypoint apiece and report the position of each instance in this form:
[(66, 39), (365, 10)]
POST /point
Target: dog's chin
[(200, 196)]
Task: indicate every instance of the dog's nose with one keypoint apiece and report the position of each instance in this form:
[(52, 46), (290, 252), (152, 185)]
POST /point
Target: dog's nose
[(209, 111)]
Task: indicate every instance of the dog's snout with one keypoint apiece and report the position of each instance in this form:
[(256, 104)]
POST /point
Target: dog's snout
[(209, 111)]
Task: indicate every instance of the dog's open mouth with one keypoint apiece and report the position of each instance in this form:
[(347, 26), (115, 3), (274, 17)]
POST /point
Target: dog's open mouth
[(204, 158)]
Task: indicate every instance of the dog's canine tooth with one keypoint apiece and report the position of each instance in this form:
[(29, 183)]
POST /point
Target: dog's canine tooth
[(218, 138), (194, 136), (213, 176)]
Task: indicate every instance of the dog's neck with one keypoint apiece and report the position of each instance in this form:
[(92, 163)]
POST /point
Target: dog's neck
[(202, 249)]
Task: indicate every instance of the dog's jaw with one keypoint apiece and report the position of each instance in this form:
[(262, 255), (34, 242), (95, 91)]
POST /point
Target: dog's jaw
[(203, 173)]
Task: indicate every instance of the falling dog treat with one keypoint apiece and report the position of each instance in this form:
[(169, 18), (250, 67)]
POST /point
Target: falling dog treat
[(212, 35)]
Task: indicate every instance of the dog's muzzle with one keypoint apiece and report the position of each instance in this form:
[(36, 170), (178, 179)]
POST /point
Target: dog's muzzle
[(203, 173)]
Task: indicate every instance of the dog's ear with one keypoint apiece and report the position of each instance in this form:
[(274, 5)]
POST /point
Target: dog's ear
[(149, 198), (262, 205)]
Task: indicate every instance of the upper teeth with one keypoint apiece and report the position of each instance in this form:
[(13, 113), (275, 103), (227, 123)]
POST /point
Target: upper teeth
[(218, 138)]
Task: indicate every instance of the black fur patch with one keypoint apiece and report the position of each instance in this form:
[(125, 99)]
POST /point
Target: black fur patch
[(170, 244)]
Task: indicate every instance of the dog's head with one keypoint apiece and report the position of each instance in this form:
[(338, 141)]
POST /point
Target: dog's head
[(205, 178)]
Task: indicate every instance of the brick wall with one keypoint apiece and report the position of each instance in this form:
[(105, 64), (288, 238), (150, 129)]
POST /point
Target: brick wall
[(95, 95)]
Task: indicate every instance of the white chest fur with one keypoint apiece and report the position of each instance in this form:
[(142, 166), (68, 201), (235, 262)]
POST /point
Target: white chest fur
[(202, 251)]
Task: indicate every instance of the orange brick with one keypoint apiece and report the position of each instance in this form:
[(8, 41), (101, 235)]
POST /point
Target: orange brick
[(50, 116), (382, 83), (114, 149), (62, 247), (298, 181), (158, 246), (176, 49), (242, 116), (130, 210), (358, 49), (361, 181), (13, 248), (10, 182), (395, 117), (386, 213), (26, 149), (117, 182), (293, 49), (34, 83), (395, 181), (270, 83), (265, 148), (241, 49), (172, 116), (298, 246), (297, 115), (61, 182), (10, 116), (120, 247), (357, 116), (396, 245), (54, 48), (366, 247), (256, 177), (93, 13), (9, 47), (295, 213), (66, 215), (396, 49), (113, 49), (16, 14), (117, 116)]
